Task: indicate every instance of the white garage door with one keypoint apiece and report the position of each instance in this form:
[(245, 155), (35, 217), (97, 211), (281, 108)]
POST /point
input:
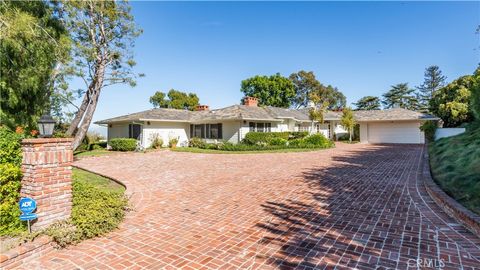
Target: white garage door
[(396, 132)]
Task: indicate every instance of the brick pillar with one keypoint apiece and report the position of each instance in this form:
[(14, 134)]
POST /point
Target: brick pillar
[(47, 178)]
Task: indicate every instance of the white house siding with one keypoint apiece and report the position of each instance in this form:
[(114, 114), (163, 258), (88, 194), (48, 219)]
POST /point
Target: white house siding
[(117, 131), (363, 132), (166, 131), (392, 132), (230, 131)]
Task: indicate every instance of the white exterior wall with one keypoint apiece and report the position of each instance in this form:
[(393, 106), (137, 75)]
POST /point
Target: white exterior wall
[(230, 131), (363, 132), (166, 131), (392, 132), (448, 132)]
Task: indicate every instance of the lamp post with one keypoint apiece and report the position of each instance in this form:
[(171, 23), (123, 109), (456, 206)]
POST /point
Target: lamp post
[(45, 125)]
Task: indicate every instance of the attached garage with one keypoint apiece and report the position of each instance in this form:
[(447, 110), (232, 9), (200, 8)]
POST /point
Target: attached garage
[(394, 132)]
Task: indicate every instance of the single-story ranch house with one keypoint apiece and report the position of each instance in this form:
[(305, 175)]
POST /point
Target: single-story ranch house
[(233, 122)]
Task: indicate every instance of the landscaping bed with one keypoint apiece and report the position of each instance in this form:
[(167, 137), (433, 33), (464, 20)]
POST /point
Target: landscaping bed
[(263, 142), (99, 206), (455, 165)]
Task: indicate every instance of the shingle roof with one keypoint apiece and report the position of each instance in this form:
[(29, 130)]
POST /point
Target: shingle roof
[(392, 114), (242, 112), (153, 114), (235, 112)]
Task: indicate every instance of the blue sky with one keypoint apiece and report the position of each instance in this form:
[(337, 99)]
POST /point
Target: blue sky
[(360, 47)]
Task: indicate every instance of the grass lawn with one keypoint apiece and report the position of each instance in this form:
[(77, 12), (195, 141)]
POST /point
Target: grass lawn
[(92, 153), (96, 180), (213, 151), (455, 164)]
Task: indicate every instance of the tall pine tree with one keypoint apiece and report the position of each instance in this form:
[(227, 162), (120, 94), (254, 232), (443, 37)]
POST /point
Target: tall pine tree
[(433, 81), (400, 95)]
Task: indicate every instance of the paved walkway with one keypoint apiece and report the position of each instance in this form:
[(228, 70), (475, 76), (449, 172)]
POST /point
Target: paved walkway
[(355, 206)]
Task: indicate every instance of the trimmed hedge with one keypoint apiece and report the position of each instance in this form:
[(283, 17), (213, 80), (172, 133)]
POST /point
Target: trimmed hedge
[(316, 141), (265, 137), (96, 211), (98, 208), (123, 144)]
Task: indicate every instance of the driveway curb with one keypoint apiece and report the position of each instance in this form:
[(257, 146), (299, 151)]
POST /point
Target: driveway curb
[(454, 209)]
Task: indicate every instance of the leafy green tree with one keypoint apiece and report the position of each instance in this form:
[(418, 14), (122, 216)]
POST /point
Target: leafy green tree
[(400, 95), (335, 98), (274, 90), (433, 81), (348, 121), (319, 109), (158, 100), (103, 34), (34, 44), (176, 100), (367, 103), (452, 102), (304, 83), (476, 94)]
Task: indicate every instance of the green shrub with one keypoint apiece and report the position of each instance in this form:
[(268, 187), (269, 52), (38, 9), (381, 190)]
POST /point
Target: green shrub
[(10, 177), (296, 143), (429, 128), (123, 144), (98, 145), (263, 137), (96, 211), (196, 142), (277, 141), (318, 140), (10, 147), (297, 135)]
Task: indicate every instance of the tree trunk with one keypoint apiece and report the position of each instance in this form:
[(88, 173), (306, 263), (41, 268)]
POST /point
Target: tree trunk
[(350, 139), (72, 129), (87, 119), (90, 105)]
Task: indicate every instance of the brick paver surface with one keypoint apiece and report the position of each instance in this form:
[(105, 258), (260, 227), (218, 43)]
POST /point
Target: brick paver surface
[(355, 206)]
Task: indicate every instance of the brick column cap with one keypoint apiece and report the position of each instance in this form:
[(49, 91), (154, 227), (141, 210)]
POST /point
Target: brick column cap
[(46, 140)]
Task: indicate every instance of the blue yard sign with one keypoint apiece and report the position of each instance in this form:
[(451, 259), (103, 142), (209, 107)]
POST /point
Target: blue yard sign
[(26, 217), (27, 206)]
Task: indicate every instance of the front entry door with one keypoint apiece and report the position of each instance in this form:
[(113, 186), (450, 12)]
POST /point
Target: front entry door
[(324, 129)]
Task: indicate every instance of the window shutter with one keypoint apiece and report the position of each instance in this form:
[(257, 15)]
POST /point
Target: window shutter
[(203, 131), (130, 131), (220, 133), (191, 131)]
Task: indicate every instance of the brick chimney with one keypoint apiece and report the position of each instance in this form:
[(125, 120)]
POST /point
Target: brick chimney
[(202, 108), (250, 101)]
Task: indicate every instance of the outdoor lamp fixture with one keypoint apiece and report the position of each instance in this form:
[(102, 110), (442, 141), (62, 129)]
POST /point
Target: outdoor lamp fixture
[(45, 125)]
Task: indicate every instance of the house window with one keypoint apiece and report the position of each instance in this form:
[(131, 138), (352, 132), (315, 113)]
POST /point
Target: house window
[(252, 126), (206, 131), (215, 131), (134, 131), (260, 127)]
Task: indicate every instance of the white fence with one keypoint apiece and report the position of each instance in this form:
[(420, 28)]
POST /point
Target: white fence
[(448, 132)]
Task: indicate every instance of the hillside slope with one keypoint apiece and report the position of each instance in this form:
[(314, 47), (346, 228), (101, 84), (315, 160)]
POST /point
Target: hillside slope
[(455, 164)]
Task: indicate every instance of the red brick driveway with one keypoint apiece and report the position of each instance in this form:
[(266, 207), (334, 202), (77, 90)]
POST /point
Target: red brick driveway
[(355, 206)]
